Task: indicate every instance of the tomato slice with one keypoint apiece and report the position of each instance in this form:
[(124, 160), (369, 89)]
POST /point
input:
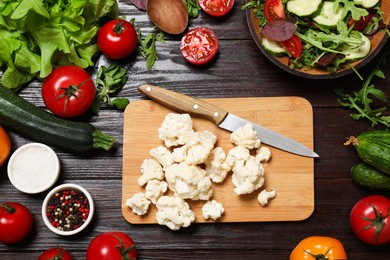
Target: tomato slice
[(293, 46), (274, 10), (360, 24), (216, 7), (199, 45)]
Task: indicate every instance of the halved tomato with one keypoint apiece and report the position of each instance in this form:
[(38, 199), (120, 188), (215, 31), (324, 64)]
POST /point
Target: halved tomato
[(199, 45), (216, 7), (274, 10), (293, 46)]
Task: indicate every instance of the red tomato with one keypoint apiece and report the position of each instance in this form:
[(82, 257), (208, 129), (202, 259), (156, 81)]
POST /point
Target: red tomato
[(216, 7), (370, 220), (199, 45), (55, 254), (15, 222), (68, 91), (293, 46), (274, 10), (117, 39), (360, 24), (112, 246)]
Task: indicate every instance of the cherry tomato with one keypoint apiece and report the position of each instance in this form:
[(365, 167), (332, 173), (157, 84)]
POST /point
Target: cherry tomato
[(216, 7), (199, 45), (5, 146), (117, 39), (293, 46), (360, 24), (55, 254), (370, 219), (68, 91), (112, 246), (319, 247), (15, 222), (274, 10)]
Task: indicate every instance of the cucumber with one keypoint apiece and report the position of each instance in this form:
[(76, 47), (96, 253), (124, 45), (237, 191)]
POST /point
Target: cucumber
[(359, 52), (273, 47), (373, 147), (367, 3), (329, 16), (34, 123), (370, 178), (304, 8)]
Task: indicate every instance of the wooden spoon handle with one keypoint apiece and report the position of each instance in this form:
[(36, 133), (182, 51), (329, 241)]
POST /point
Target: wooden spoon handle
[(184, 104)]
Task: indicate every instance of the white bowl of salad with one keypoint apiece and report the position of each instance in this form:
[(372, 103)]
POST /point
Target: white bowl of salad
[(319, 39)]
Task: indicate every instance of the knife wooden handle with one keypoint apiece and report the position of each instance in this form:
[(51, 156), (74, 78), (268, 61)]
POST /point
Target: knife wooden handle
[(183, 103)]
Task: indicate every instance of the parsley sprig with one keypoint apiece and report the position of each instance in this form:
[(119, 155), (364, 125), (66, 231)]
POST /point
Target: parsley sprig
[(362, 101)]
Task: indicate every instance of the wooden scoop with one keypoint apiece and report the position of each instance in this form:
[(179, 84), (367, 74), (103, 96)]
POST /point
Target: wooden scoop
[(171, 16)]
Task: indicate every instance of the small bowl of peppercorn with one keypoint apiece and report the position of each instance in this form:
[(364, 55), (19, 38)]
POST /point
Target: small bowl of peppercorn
[(67, 209)]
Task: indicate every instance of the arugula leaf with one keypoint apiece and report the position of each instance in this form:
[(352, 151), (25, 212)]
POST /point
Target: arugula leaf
[(349, 6), (361, 101)]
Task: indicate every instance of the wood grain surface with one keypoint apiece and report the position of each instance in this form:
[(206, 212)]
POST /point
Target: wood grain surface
[(292, 176)]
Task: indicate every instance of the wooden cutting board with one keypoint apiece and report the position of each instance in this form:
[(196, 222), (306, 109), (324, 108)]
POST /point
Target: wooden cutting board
[(290, 175)]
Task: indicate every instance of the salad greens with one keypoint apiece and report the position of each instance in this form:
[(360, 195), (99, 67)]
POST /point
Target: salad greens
[(40, 34), (325, 46)]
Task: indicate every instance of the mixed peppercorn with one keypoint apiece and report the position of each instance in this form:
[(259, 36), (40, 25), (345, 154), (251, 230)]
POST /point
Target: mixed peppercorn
[(68, 209)]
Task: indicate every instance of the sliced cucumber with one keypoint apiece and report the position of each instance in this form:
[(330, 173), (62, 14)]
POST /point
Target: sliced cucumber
[(273, 47), (353, 53), (367, 3), (304, 8), (329, 16)]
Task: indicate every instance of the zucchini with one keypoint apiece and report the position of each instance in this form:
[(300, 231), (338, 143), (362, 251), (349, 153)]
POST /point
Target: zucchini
[(367, 3), (273, 47), (34, 123), (357, 52), (373, 147), (304, 8), (329, 16), (370, 178)]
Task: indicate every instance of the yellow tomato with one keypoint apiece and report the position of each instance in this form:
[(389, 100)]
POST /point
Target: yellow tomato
[(319, 247), (5, 146)]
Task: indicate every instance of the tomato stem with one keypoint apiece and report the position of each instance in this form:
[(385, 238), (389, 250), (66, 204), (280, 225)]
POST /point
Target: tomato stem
[(123, 250), (71, 91), (377, 222), (119, 28), (9, 208), (319, 256)]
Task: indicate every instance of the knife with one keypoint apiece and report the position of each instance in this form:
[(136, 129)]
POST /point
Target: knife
[(222, 118)]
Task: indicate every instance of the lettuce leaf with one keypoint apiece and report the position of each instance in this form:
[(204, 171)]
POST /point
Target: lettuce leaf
[(38, 35)]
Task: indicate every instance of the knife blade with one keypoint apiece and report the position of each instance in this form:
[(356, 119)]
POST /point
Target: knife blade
[(223, 119)]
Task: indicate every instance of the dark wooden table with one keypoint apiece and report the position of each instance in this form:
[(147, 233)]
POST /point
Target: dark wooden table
[(240, 70)]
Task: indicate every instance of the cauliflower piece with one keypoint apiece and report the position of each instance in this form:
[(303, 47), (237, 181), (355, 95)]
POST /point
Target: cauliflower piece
[(216, 166), (179, 154), (248, 177), (162, 155), (198, 147), (188, 181), (174, 212), (212, 209), (237, 156), (155, 189), (265, 195), (246, 136), (263, 154), (138, 203), (150, 169), (175, 129)]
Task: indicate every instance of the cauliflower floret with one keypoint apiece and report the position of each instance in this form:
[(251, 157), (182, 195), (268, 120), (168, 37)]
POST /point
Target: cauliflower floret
[(216, 166), (174, 212), (175, 129), (198, 147), (150, 169), (263, 154), (245, 136), (162, 155), (212, 209), (188, 181), (248, 177), (237, 156), (265, 195), (155, 189), (179, 154), (138, 203)]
